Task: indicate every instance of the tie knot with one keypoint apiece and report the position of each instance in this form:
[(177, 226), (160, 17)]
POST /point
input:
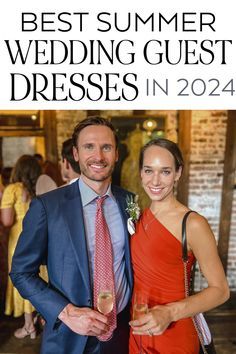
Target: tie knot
[(100, 200)]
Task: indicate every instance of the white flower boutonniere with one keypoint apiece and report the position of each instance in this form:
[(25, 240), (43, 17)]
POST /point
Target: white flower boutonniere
[(134, 212)]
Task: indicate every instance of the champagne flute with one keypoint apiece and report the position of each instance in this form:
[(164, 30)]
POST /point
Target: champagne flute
[(140, 308), (105, 300)]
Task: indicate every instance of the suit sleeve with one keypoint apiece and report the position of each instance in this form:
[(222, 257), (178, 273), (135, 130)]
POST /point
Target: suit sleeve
[(30, 253)]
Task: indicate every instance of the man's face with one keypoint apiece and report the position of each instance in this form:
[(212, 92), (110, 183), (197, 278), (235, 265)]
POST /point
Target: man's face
[(96, 153)]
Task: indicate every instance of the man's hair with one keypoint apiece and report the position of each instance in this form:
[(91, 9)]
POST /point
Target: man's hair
[(38, 156), (67, 153), (93, 120)]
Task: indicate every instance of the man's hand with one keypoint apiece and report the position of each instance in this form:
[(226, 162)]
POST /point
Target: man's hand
[(84, 320)]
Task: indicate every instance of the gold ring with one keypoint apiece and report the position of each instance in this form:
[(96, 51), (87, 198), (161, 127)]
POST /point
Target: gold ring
[(150, 332)]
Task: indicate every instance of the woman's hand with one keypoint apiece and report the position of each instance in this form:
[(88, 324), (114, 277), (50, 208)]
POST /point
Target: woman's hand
[(154, 322)]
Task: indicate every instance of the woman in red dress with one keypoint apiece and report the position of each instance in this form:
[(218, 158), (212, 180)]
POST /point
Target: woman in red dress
[(156, 248)]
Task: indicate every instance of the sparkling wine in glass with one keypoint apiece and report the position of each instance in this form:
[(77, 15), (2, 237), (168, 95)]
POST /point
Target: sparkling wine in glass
[(105, 301), (140, 308)]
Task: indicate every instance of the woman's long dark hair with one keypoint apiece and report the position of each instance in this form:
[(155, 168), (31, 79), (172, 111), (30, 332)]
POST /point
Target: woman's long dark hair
[(26, 170)]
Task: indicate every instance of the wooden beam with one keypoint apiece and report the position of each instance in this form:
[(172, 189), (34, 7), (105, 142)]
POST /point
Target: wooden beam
[(137, 112), (20, 133), (184, 143), (228, 188), (91, 113), (50, 131), (18, 112), (1, 157)]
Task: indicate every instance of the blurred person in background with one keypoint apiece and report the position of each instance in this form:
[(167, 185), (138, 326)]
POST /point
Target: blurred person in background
[(39, 158), (70, 170), (52, 170), (50, 178), (5, 179)]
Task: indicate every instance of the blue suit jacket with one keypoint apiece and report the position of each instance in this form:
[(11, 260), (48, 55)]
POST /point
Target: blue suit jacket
[(54, 233)]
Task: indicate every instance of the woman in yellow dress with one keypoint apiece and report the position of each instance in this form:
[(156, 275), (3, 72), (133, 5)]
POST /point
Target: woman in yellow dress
[(14, 205)]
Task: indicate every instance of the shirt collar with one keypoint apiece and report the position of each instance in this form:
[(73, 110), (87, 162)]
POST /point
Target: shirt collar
[(73, 180), (88, 194)]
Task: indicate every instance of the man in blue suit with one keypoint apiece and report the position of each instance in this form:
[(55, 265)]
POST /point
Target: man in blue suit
[(59, 230)]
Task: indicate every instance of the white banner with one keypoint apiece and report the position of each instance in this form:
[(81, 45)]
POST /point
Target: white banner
[(105, 55)]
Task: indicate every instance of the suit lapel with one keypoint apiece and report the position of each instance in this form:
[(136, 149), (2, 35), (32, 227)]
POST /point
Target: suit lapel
[(73, 213)]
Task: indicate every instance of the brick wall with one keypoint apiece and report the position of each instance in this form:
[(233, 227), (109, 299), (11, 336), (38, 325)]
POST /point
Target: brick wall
[(66, 120), (232, 248), (14, 147), (208, 134)]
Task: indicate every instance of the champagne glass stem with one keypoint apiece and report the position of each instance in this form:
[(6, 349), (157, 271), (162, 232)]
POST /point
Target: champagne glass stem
[(140, 345)]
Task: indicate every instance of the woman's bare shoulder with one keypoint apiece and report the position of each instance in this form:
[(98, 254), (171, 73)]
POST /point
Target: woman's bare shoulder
[(197, 220)]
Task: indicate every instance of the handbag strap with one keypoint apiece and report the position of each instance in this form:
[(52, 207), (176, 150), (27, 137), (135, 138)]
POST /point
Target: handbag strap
[(185, 252), (184, 237), (186, 285)]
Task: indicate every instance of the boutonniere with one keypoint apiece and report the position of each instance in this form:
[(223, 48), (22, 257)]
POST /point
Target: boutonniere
[(134, 213)]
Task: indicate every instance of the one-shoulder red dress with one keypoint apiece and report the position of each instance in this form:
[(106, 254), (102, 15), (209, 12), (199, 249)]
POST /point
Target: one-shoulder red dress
[(158, 272)]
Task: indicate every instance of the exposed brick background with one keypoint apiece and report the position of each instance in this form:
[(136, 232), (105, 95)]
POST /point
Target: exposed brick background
[(66, 120), (207, 162), (232, 248), (208, 137)]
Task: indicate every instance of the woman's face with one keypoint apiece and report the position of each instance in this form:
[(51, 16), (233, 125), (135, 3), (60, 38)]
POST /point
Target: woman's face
[(158, 173)]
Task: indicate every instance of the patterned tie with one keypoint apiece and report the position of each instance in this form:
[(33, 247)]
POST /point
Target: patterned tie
[(103, 266)]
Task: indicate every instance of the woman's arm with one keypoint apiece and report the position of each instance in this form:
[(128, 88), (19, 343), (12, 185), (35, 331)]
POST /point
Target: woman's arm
[(7, 216), (202, 242)]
